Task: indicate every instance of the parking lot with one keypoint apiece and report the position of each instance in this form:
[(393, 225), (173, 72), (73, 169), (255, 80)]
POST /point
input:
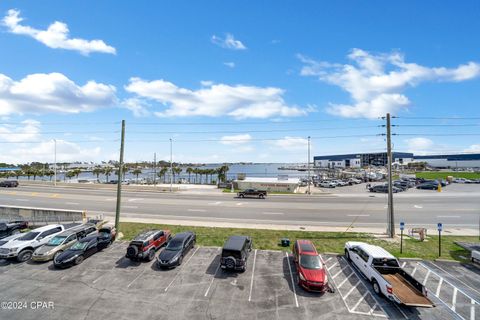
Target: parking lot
[(107, 285)]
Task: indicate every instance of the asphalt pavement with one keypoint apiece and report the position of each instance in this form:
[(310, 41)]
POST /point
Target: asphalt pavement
[(457, 206)]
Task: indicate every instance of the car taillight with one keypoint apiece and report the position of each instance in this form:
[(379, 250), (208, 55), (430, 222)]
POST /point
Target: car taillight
[(389, 289)]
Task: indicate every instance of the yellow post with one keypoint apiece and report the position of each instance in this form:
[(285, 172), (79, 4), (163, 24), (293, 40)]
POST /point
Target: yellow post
[(84, 216), (439, 189)]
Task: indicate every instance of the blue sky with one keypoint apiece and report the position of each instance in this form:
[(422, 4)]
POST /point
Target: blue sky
[(236, 81)]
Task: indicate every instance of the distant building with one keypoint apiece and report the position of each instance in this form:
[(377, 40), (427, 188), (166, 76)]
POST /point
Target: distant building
[(280, 184), (359, 160), (470, 160)]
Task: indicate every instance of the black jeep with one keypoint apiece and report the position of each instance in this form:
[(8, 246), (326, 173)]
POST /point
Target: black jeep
[(235, 253)]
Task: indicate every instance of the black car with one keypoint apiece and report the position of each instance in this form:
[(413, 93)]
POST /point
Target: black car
[(176, 249), (9, 183), (235, 253), (81, 250), (383, 189), (429, 185), (12, 227)]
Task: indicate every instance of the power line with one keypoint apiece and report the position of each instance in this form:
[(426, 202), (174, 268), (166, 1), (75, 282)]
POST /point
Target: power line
[(439, 118)]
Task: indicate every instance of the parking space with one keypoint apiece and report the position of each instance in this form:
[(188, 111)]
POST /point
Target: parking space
[(459, 297), (107, 285)]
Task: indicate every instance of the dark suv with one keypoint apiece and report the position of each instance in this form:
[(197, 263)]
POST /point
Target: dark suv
[(9, 183), (144, 246), (235, 253)]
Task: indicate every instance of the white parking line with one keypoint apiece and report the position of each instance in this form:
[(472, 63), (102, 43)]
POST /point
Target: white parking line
[(454, 298), (360, 301), (325, 262), (196, 210), (253, 272), (95, 281), (351, 290), (345, 280), (143, 271), (472, 309), (183, 266), (291, 277), (333, 265), (426, 277), (439, 286), (213, 278), (338, 273), (403, 264)]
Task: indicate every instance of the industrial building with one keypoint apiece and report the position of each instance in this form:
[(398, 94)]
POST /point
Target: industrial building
[(467, 160), (359, 160), (280, 184)]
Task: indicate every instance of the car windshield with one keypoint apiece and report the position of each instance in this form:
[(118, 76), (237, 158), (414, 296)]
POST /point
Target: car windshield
[(79, 246), (29, 236), (310, 262), (103, 234), (174, 245), (56, 241)]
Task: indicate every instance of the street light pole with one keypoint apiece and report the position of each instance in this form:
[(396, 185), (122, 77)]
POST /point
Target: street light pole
[(308, 165), (154, 169), (390, 218), (171, 165), (55, 163)]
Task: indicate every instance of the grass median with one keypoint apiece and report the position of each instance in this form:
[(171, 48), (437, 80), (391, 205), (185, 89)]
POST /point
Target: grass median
[(445, 174), (324, 241)]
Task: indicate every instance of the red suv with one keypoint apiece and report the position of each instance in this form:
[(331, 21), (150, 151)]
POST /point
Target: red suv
[(311, 272), (144, 246)]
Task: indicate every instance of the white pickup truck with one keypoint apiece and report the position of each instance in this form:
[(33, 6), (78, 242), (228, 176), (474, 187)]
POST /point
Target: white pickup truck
[(386, 276), (23, 247)]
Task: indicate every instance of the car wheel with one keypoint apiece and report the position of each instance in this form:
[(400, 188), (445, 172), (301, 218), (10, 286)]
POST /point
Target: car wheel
[(132, 251), (151, 255), (376, 287), (55, 256), (79, 260), (242, 196), (347, 255), (180, 260), (230, 263), (261, 196), (25, 255)]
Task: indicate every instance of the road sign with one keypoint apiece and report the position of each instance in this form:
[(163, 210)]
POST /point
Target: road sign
[(439, 226), (402, 225)]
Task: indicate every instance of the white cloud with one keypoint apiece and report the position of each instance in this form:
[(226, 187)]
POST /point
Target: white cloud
[(236, 139), (44, 152), (56, 36), (375, 82), (228, 42), (52, 92), (14, 133), (238, 101), (291, 143), (229, 64), (138, 107), (474, 148), (419, 145)]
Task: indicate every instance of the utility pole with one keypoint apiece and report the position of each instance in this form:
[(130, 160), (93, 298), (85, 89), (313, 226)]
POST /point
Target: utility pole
[(171, 165), (308, 165), (55, 163), (154, 169), (120, 174), (390, 218)]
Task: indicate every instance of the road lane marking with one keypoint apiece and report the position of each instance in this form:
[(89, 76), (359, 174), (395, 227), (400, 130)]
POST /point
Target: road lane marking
[(197, 210), (24, 200), (74, 203), (448, 216), (291, 277), (135, 199), (55, 195), (358, 215), (34, 194), (417, 207), (239, 204), (253, 272), (131, 207), (179, 271), (110, 199), (273, 213), (215, 203)]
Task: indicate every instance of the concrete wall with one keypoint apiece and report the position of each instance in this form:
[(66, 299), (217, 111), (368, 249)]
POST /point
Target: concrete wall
[(39, 214)]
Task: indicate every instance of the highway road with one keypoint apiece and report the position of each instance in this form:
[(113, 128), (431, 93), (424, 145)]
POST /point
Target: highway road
[(458, 206)]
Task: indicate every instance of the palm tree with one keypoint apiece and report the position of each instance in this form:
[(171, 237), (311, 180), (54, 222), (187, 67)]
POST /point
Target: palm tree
[(107, 171), (50, 174), (137, 172), (176, 171), (222, 173), (162, 173), (196, 174), (77, 172), (97, 171), (70, 174), (189, 171)]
